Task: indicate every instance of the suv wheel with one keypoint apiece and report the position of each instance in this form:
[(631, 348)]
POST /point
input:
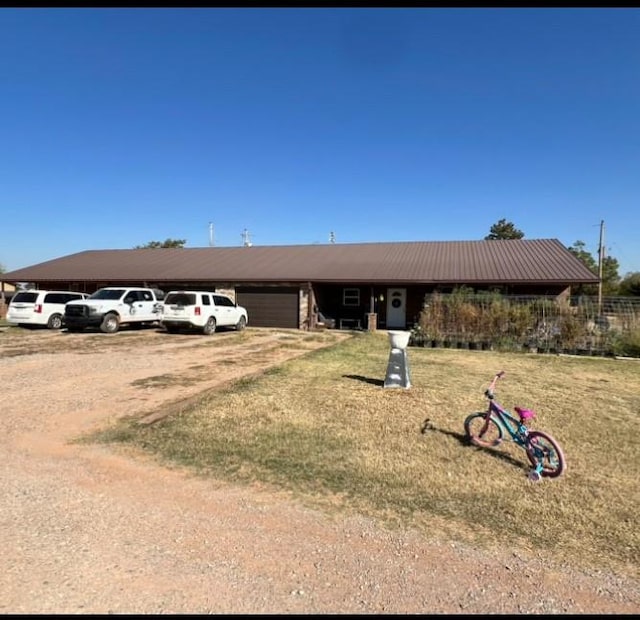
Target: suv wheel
[(209, 327), (242, 323)]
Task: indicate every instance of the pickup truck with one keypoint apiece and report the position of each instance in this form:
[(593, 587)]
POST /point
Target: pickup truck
[(110, 307)]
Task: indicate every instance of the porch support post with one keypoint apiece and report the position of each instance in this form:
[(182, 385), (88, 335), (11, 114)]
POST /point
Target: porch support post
[(372, 317)]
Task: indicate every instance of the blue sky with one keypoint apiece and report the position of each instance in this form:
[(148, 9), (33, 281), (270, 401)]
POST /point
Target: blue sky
[(123, 126)]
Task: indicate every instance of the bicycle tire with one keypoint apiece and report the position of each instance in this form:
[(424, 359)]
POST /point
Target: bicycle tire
[(542, 447), (482, 432)]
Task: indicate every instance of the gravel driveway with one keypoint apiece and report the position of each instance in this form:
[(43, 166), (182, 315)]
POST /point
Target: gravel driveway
[(86, 529)]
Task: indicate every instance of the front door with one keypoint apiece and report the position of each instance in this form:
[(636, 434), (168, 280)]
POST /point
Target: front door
[(396, 308)]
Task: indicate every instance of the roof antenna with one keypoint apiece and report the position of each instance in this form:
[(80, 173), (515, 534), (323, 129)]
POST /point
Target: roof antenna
[(246, 241), (332, 237), (210, 234)]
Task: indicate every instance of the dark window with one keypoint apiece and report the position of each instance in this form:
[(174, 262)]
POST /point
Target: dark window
[(25, 297), (206, 300), (351, 297), (222, 301), (60, 298), (115, 293), (180, 299)]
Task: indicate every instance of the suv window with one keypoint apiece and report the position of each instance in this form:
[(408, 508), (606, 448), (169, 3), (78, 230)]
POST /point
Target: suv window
[(222, 301), (180, 299), (206, 300), (28, 297)]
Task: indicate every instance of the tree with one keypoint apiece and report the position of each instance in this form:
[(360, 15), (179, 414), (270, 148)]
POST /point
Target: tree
[(630, 284), (167, 243), (2, 269), (504, 230), (610, 266), (578, 249)]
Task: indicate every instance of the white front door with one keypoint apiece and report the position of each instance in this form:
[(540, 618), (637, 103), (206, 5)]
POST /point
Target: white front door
[(396, 308)]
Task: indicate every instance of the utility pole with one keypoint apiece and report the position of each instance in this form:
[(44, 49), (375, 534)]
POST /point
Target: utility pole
[(210, 234), (600, 265)]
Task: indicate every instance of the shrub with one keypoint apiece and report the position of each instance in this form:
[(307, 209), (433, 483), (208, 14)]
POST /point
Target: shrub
[(627, 343)]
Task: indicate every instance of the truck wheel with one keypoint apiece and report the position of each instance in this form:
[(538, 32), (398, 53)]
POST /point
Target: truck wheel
[(110, 324)]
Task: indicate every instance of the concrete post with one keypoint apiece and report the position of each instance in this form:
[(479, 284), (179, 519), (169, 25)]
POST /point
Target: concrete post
[(372, 321), (398, 366)]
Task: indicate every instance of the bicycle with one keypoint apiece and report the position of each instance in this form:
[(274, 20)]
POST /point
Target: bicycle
[(487, 430)]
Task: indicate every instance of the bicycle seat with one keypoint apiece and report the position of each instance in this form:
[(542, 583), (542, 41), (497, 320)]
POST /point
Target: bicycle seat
[(525, 414)]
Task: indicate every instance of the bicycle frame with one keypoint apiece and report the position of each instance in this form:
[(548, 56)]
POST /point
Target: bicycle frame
[(516, 429)]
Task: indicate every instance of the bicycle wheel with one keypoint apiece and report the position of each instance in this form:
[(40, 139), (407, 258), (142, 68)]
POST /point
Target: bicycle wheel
[(544, 449), (482, 432)]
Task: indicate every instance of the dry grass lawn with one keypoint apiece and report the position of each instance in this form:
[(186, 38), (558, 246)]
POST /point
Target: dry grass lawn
[(323, 428)]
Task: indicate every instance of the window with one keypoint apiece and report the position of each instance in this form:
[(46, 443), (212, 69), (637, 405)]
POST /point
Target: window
[(24, 297), (222, 301), (206, 300), (180, 299), (351, 297), (58, 298), (107, 293)]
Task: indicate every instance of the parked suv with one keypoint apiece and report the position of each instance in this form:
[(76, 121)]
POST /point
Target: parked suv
[(43, 308), (201, 310)]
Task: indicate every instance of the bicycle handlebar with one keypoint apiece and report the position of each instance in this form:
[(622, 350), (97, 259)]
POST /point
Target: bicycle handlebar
[(492, 386)]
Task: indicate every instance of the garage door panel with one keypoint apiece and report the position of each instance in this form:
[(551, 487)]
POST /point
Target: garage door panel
[(270, 307)]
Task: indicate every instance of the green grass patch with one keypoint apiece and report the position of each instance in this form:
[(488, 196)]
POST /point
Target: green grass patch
[(323, 428)]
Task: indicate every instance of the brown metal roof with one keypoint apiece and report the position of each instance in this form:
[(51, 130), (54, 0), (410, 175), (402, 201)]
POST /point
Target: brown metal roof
[(451, 262)]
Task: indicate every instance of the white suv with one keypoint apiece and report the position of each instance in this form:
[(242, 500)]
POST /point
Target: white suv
[(202, 310), (43, 308)]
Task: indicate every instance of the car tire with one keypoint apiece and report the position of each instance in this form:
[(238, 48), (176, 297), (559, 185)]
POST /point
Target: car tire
[(55, 321), (110, 323), (209, 327)]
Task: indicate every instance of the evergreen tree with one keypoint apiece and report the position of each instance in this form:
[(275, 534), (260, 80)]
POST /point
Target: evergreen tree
[(167, 243), (504, 230)]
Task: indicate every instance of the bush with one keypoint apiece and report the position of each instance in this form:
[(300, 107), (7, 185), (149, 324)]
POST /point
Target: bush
[(627, 343)]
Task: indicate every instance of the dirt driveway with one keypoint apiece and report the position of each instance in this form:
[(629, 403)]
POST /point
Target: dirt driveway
[(85, 529)]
